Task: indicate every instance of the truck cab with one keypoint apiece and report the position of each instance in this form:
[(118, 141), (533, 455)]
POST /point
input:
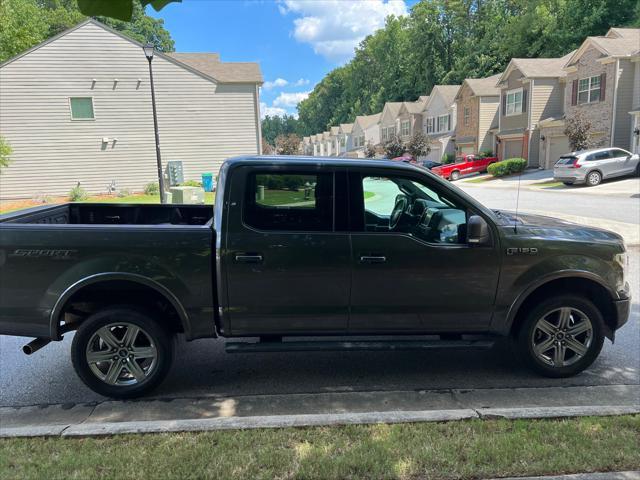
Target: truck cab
[(464, 165), (325, 249)]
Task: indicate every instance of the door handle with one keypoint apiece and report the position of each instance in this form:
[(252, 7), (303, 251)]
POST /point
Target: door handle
[(246, 258), (372, 259)]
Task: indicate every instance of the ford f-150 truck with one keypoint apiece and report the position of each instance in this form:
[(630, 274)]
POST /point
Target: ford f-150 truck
[(464, 165), (338, 251)]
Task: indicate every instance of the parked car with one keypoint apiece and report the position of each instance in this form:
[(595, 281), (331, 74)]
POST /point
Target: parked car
[(429, 164), (590, 167), (464, 165), (278, 258)]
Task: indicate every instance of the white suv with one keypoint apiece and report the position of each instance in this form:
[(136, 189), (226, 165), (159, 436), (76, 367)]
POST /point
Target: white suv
[(592, 166)]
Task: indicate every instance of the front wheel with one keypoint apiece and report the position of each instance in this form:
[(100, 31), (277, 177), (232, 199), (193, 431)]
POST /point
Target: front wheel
[(561, 336), (121, 352), (455, 175)]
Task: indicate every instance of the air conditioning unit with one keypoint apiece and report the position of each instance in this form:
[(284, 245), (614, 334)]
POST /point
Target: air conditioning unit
[(187, 195)]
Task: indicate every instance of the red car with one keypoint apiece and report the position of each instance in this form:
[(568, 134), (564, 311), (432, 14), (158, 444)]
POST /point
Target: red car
[(464, 165)]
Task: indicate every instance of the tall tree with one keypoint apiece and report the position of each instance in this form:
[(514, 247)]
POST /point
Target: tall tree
[(273, 126), (26, 23)]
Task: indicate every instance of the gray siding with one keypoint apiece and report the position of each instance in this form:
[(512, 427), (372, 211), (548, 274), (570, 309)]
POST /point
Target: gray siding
[(547, 100), (514, 121), (200, 123), (622, 133)]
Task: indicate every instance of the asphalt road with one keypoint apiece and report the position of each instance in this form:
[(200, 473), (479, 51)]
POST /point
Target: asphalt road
[(202, 368)]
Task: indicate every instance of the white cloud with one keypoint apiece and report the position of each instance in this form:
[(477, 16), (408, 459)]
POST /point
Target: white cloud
[(290, 99), (278, 82), (301, 82), (335, 27), (271, 111)]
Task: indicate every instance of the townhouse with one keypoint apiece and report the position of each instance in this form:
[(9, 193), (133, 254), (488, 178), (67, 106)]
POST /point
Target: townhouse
[(439, 120), (531, 91), (477, 103), (366, 130), (345, 139), (389, 121)]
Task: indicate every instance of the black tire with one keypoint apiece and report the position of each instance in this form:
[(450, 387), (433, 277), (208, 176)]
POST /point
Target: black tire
[(593, 178), (455, 175), (525, 338), (152, 338)]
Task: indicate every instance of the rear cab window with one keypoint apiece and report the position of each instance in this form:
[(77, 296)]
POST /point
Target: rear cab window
[(289, 201)]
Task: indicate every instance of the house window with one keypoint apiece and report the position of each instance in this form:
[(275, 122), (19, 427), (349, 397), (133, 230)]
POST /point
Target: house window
[(514, 102), (589, 90), (81, 108), (467, 116), (430, 124), (443, 123), (361, 141), (405, 128), (343, 142)]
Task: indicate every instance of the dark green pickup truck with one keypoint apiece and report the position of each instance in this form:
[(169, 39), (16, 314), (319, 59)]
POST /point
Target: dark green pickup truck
[(334, 250)]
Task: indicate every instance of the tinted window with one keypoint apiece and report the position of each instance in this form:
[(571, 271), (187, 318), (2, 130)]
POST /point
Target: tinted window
[(566, 160), (289, 201), (598, 156), (402, 205), (616, 152)]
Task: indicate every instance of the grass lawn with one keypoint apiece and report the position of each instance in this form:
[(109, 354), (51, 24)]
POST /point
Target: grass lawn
[(465, 449)]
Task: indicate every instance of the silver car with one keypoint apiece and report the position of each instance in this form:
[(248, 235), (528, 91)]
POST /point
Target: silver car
[(593, 166)]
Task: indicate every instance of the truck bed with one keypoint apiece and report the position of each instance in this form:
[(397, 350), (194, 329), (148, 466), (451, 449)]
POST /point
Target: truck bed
[(113, 214)]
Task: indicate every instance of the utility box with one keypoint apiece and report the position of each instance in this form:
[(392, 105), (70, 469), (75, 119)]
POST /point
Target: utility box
[(175, 173), (187, 195)]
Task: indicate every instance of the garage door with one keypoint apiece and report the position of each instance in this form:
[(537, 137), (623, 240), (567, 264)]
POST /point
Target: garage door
[(435, 155), (557, 146), (512, 148), (467, 150)]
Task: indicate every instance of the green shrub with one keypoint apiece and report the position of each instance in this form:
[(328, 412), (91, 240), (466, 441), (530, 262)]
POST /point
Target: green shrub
[(507, 167), (485, 154), (191, 183), (152, 188), (78, 193), (448, 158), (5, 153)]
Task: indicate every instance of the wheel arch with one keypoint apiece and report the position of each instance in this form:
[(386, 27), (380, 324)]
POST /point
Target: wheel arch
[(577, 282), (102, 279)]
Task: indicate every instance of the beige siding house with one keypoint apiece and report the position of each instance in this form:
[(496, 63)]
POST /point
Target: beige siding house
[(477, 104), (78, 109), (532, 91), (439, 120), (366, 130), (600, 85), (345, 139), (409, 119), (389, 124)]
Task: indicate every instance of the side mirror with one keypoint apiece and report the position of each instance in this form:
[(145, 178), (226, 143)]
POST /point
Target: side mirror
[(478, 231)]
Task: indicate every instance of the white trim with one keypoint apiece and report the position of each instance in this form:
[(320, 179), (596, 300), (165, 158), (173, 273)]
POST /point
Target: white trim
[(589, 89), (93, 110), (615, 101), (258, 121)]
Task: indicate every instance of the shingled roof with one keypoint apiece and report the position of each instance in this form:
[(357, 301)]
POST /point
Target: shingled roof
[(484, 87), (224, 72), (538, 67)]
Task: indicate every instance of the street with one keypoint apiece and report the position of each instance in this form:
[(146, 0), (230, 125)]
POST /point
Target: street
[(202, 368)]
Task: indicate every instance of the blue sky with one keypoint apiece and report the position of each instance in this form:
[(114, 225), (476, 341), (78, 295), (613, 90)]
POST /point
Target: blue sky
[(296, 42)]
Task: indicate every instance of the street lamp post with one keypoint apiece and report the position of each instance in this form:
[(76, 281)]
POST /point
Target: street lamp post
[(148, 52)]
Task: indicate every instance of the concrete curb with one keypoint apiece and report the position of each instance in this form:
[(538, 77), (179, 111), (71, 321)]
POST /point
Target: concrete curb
[(309, 420), (631, 475)]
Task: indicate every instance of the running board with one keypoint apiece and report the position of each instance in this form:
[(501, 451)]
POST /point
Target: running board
[(321, 345)]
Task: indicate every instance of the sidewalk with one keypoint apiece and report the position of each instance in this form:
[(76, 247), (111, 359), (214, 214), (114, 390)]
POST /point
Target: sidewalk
[(542, 180), (272, 411)]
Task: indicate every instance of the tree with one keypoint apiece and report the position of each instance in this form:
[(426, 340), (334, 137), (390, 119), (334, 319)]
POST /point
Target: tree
[(267, 148), (418, 145), (394, 147), (272, 126), (288, 144), (5, 153), (26, 23), (119, 9), (370, 150), (577, 130)]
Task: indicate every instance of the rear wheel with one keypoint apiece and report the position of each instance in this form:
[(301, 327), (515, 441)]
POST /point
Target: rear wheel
[(561, 336), (594, 178), (121, 352), (455, 175)]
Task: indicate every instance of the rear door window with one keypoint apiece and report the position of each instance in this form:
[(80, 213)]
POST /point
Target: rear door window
[(599, 156), (289, 201)]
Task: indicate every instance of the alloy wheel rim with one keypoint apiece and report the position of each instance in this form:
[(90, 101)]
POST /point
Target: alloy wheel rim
[(562, 337), (121, 354), (593, 178)]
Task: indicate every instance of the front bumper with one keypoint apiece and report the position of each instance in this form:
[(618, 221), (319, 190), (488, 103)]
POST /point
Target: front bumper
[(623, 308)]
